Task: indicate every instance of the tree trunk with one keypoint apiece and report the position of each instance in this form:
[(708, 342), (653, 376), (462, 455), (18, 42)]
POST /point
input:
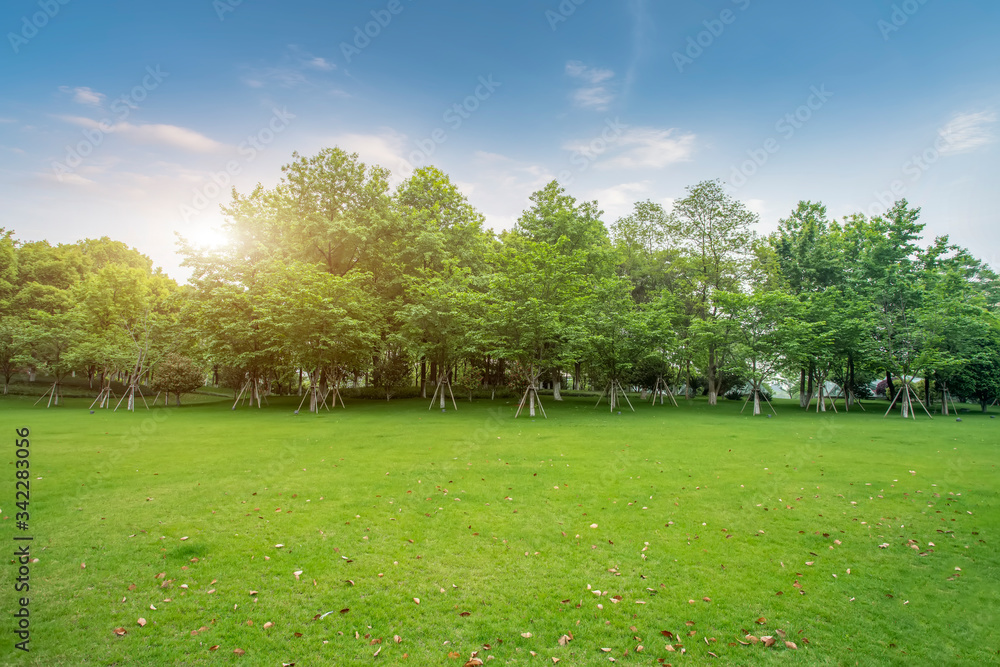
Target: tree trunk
[(300, 380), (890, 386), (531, 403), (713, 395), (177, 399), (556, 385), (423, 378), (802, 388), (810, 385)]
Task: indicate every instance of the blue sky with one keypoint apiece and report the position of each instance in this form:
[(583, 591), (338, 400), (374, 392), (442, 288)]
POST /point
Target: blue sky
[(124, 118)]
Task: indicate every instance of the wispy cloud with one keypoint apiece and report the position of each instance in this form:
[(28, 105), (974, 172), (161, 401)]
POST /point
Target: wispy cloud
[(84, 95), (166, 135), (640, 148), (596, 91), (292, 70), (966, 132)]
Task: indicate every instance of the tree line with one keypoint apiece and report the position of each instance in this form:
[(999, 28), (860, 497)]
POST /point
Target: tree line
[(332, 276)]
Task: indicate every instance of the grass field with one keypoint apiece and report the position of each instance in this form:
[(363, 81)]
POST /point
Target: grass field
[(864, 540)]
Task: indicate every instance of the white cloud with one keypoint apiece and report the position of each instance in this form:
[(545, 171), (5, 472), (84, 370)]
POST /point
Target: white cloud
[(966, 132), (637, 148), (619, 200), (595, 93), (8, 120), (167, 135), (64, 179), (386, 148), (85, 96)]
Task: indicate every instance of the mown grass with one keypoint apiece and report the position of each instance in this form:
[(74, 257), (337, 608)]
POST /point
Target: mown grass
[(488, 521)]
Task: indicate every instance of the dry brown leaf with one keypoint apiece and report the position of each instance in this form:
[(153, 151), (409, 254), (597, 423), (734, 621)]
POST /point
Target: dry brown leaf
[(791, 645), (780, 633), (417, 600), (526, 635), (121, 631), (269, 624), (377, 651), (397, 639), (761, 621), (161, 575), (753, 640), (606, 650), (768, 641), (214, 648), (565, 639), (239, 651), (345, 610), (707, 599), (466, 613), (555, 660), (141, 622), (474, 662), (670, 648), (454, 655)]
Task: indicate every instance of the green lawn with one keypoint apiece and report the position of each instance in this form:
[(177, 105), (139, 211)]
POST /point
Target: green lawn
[(702, 520)]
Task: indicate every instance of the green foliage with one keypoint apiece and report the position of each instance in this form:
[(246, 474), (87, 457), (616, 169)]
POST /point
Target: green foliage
[(177, 375)]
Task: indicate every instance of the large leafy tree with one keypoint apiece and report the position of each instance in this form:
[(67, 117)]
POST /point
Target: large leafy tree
[(715, 234)]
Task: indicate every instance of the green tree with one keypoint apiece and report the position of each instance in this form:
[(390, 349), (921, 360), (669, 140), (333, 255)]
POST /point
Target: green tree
[(715, 234), (177, 375)]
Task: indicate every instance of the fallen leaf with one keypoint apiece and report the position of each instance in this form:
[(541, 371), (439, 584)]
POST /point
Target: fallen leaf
[(565, 639), (466, 613), (379, 650), (141, 622), (121, 631), (768, 641), (397, 639), (214, 648), (238, 651), (161, 575), (417, 600), (269, 624), (474, 662), (761, 621), (791, 645), (454, 655), (526, 635)]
